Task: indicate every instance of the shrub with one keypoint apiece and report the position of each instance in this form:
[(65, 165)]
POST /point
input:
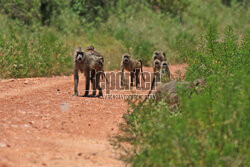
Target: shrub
[(211, 128), (26, 11), (40, 53)]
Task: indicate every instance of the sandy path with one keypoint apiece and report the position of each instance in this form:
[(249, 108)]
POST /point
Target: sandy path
[(42, 124)]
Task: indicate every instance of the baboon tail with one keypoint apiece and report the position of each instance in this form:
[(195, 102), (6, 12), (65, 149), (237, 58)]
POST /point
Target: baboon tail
[(141, 70)]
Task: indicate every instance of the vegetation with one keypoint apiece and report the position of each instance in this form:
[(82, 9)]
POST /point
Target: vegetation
[(211, 128), (38, 37)]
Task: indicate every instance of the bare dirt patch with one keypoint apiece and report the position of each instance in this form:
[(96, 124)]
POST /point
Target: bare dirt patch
[(42, 124)]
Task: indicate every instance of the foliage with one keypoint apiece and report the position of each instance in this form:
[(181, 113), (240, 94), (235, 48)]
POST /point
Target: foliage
[(37, 38), (143, 30), (40, 53), (119, 26), (176, 8), (90, 12), (26, 11), (51, 9), (211, 128)]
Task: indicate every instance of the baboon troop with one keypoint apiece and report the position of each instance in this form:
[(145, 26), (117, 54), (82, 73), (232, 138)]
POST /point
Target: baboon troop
[(91, 63), (133, 66), (161, 69)]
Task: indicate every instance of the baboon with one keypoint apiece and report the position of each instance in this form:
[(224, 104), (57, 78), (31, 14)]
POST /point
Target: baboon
[(159, 55), (90, 48), (157, 70), (168, 91), (89, 65), (161, 73), (93, 51), (133, 66), (165, 72)]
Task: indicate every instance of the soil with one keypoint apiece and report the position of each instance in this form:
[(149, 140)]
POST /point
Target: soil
[(42, 124)]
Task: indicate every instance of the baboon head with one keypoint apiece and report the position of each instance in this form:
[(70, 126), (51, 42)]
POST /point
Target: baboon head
[(125, 58), (159, 55), (90, 48), (157, 65), (79, 54), (164, 66), (199, 84)]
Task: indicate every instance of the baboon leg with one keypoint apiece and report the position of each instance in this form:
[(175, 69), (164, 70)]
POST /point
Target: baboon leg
[(168, 72), (102, 74), (105, 77), (122, 75), (137, 81), (87, 85), (132, 74), (98, 84), (76, 81), (94, 82)]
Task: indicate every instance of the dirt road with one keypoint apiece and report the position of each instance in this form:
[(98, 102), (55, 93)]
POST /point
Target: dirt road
[(42, 124)]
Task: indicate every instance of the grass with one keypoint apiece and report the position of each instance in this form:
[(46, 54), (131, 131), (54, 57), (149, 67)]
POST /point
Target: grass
[(211, 128), (30, 49)]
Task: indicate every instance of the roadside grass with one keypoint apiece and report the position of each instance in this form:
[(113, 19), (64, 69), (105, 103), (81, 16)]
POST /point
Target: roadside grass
[(212, 127), (142, 30), (32, 51), (31, 47)]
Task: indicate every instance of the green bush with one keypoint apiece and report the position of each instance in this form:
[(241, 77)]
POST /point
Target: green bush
[(143, 30), (115, 27), (33, 50), (26, 11), (211, 128), (25, 53), (90, 12), (176, 8)]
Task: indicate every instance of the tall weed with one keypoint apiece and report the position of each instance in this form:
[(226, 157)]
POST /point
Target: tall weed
[(211, 128)]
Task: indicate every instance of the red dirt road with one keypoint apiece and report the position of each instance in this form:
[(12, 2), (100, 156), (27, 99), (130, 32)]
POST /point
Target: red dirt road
[(42, 124)]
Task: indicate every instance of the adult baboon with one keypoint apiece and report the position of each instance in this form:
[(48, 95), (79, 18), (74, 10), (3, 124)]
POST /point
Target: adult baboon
[(168, 91), (133, 66), (90, 65), (159, 55)]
